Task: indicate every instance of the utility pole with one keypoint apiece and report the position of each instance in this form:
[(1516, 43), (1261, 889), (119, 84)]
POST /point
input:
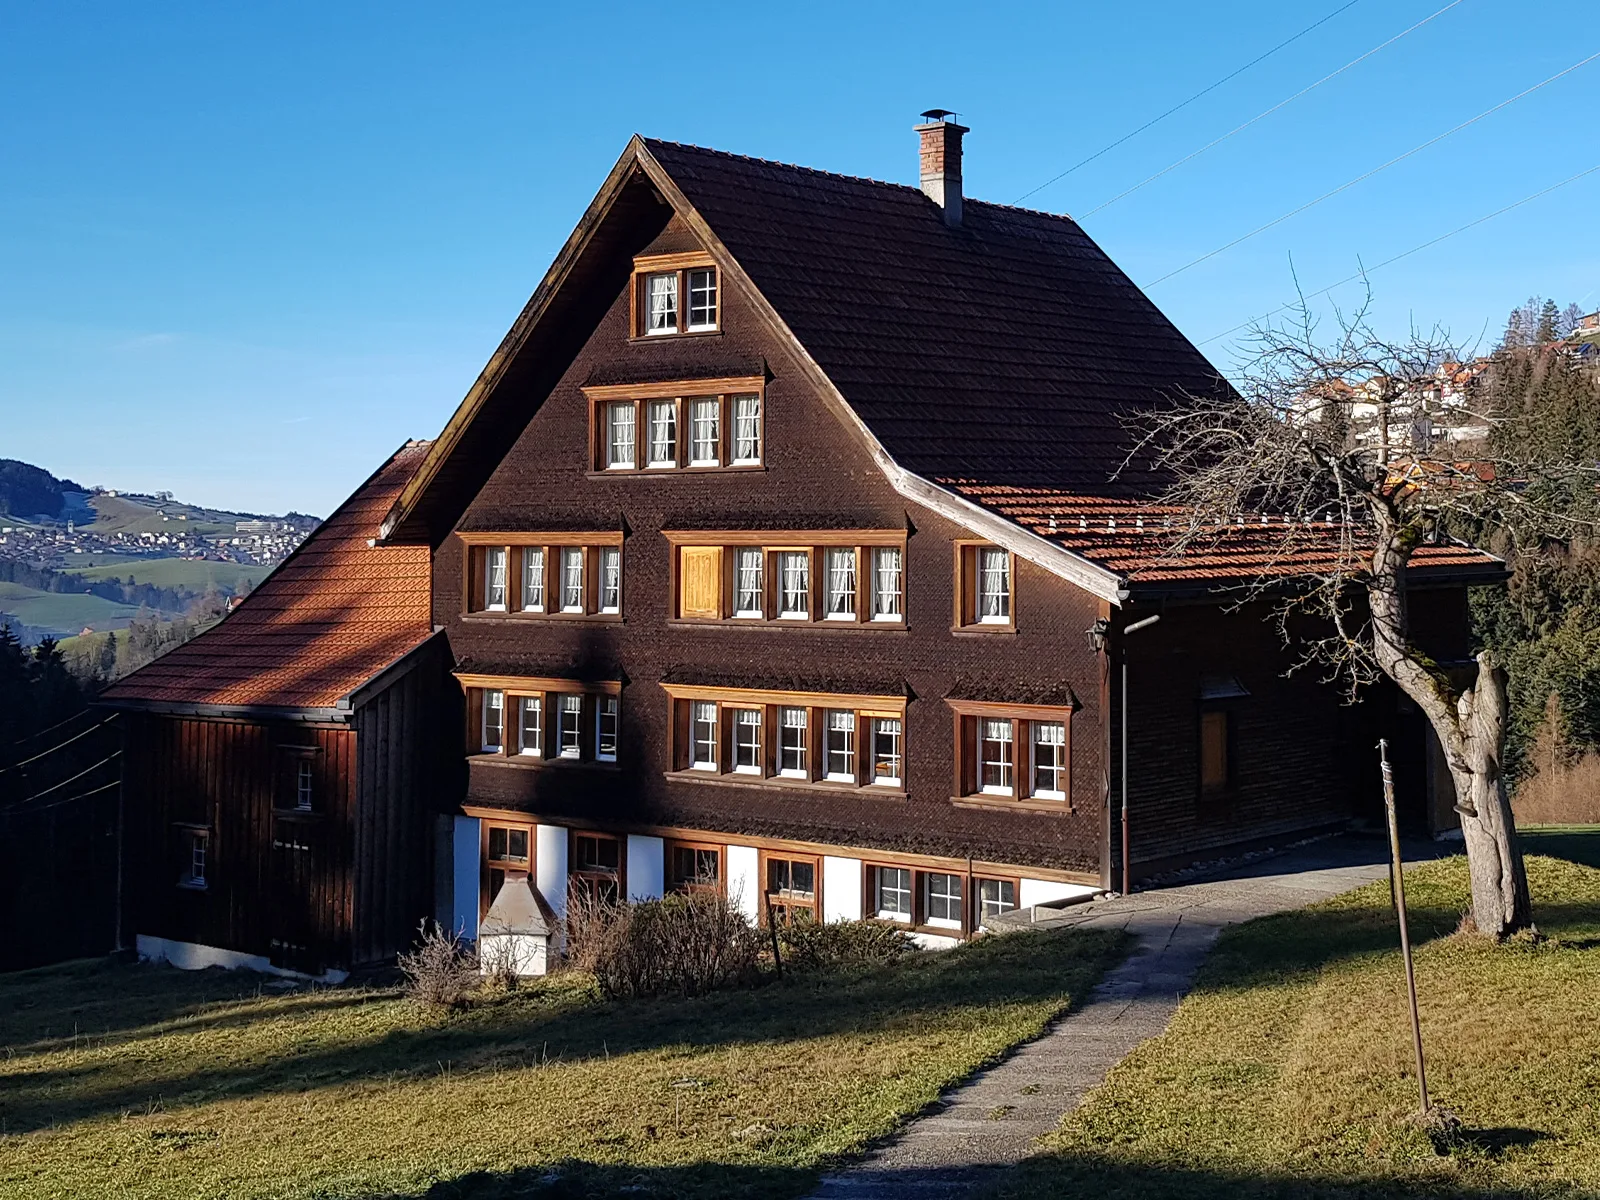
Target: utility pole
[(1400, 904)]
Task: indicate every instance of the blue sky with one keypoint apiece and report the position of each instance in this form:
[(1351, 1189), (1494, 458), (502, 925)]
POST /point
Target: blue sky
[(247, 250)]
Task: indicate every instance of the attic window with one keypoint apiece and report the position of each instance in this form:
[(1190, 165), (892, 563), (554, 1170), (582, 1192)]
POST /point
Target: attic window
[(674, 294)]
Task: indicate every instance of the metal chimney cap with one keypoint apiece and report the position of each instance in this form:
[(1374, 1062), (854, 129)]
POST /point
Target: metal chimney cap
[(938, 114)]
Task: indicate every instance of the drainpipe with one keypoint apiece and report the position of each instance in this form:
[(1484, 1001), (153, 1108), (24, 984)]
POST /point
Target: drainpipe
[(1122, 649)]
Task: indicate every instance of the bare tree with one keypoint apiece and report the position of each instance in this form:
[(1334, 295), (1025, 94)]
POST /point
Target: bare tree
[(1320, 460)]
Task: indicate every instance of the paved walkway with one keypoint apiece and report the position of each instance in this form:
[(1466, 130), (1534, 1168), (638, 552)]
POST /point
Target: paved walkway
[(992, 1121)]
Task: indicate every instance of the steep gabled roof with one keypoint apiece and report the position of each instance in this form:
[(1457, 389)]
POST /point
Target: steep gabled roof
[(1001, 353), (1001, 350), (332, 616)]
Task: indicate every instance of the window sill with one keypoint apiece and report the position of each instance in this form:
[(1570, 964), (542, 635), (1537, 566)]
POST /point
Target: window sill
[(785, 623), (535, 762), (663, 472), (780, 783), (483, 617), (1054, 808), (193, 887), (982, 630), (297, 814), (645, 338)]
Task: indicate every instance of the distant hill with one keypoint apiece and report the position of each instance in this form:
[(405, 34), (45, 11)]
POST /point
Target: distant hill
[(31, 493)]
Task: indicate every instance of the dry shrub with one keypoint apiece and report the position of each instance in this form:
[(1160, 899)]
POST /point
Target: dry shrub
[(1565, 786), (821, 946), (440, 972), (681, 945)]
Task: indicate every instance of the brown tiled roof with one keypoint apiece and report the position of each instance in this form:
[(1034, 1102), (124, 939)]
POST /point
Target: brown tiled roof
[(1002, 350), (1134, 539), (334, 614)]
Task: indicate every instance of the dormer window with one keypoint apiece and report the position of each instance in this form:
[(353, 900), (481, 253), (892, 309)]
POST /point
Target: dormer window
[(675, 293)]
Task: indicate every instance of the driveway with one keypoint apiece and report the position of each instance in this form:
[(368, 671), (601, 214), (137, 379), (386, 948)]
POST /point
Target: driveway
[(993, 1120)]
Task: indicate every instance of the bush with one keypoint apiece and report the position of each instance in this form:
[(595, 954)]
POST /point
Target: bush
[(682, 945), (440, 972), (819, 946)]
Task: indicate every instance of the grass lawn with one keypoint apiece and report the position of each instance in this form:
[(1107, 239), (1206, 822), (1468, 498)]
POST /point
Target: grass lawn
[(64, 611), (1288, 1071), (1576, 843), (190, 574), (142, 1081)]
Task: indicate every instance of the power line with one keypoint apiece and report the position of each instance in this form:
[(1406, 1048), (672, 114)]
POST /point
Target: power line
[(1405, 254), (55, 787), (1262, 115), (1369, 174), (59, 745), (20, 811), (1185, 103), (50, 728)]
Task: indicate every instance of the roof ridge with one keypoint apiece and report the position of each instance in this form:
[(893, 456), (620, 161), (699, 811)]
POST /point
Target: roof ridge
[(888, 183)]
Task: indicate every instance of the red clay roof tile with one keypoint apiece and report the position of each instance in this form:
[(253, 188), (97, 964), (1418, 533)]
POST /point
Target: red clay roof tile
[(334, 614)]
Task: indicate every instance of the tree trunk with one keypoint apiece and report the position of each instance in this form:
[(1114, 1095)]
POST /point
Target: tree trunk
[(1500, 903), (1472, 732)]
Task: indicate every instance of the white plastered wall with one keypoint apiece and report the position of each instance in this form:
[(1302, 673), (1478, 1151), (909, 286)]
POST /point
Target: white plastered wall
[(841, 889), (466, 846), (646, 867), (550, 866), (1045, 891), (744, 880)]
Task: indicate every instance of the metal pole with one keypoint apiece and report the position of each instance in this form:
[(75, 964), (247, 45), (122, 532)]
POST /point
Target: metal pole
[(1127, 863), (1399, 878), (1127, 872)]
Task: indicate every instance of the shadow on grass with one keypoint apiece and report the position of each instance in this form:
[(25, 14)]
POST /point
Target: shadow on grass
[(562, 1023), (573, 1180), (1051, 1176), (1575, 843)]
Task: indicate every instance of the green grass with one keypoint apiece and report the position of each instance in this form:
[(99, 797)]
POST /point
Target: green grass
[(181, 573), (65, 611), (1288, 1071), (117, 514), (140, 1081)]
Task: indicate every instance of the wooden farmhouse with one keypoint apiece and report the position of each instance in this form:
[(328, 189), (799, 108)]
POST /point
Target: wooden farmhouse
[(776, 550)]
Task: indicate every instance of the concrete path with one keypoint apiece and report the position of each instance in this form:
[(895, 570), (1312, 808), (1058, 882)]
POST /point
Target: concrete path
[(993, 1120)]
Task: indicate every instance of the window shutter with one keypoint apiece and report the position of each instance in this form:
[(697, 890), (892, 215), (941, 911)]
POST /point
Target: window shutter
[(700, 581), (969, 755), (475, 569), (1214, 750), (681, 749)]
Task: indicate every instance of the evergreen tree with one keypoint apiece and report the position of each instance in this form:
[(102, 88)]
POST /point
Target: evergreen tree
[(1548, 328), (108, 656)]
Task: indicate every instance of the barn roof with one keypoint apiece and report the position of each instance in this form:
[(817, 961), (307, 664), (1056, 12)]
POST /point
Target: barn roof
[(331, 617)]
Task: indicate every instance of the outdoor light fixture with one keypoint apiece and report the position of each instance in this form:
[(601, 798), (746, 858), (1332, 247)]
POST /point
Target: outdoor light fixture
[(1099, 634)]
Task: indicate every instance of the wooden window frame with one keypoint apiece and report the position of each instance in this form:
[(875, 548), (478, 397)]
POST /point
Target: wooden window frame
[(814, 544), (918, 920), (968, 791), (681, 698), (487, 866), (682, 394), (286, 791), (975, 882), (593, 546), (965, 587), (869, 892), (581, 876), (548, 690), (771, 901), (189, 833), (670, 845), (646, 265)]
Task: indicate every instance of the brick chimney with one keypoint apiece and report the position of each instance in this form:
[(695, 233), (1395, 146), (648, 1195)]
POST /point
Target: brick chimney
[(941, 162)]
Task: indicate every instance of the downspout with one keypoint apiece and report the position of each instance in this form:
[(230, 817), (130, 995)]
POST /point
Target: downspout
[(1122, 651)]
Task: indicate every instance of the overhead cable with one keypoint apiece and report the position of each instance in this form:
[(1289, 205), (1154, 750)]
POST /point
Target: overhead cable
[(115, 754), (1185, 103), (1267, 113), (59, 745), (1344, 187), (23, 811), (1404, 254)]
